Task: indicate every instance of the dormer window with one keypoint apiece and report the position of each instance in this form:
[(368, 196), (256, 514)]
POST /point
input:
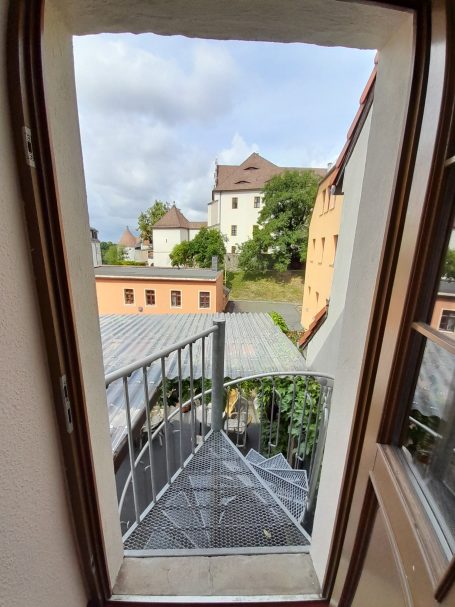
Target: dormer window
[(242, 181), (251, 168)]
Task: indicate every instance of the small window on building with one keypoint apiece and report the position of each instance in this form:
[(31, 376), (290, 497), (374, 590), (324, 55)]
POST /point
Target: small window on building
[(332, 197), (233, 230), (309, 290), (128, 295), (317, 297), (176, 299), (235, 203), (233, 250), (447, 322), (335, 245), (257, 202), (149, 297), (204, 299), (322, 250), (323, 201)]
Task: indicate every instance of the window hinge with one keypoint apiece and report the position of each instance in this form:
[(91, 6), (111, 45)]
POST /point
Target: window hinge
[(66, 404), (28, 148)]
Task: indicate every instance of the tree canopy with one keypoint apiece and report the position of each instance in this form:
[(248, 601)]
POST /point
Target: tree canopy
[(207, 243), (449, 265), (148, 218), (282, 237), (113, 254)]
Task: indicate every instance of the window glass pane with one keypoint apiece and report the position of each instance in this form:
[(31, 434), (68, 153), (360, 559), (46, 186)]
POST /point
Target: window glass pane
[(430, 439)]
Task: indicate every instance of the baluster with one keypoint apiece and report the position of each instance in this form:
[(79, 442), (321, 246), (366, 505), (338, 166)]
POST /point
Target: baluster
[(203, 412), (192, 410), (291, 421), (167, 437), (149, 431), (179, 362), (131, 450), (297, 455)]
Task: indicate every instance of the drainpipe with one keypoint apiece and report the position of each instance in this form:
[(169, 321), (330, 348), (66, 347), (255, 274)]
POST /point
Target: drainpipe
[(218, 375)]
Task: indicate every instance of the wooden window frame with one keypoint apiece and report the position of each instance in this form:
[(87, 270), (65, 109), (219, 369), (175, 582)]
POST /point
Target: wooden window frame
[(45, 234)]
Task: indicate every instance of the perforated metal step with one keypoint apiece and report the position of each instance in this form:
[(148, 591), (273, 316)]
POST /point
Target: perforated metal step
[(217, 504)]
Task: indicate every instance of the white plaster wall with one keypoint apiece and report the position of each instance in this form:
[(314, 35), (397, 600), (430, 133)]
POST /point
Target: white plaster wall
[(96, 254), (38, 560), (244, 217), (164, 240), (387, 121), (63, 121), (212, 213), (322, 352)]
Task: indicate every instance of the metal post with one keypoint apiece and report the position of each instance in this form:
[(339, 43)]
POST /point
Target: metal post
[(218, 375)]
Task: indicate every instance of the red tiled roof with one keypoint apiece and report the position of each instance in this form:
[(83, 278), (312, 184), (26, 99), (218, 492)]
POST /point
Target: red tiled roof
[(313, 328), (174, 218), (351, 137), (252, 174), (127, 239)]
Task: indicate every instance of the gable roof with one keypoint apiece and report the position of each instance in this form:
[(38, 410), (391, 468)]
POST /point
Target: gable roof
[(252, 174), (365, 102), (174, 218), (318, 321), (127, 239)]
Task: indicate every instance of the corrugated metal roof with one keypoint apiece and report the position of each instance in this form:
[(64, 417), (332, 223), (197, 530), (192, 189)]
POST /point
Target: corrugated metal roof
[(155, 272), (254, 344)]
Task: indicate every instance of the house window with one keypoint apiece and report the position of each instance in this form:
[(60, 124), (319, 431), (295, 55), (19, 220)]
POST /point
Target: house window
[(128, 295), (447, 322), (322, 250), (317, 297), (150, 297), (323, 201), (309, 291), (235, 203), (332, 197), (233, 250), (204, 299), (257, 202), (233, 230), (335, 245), (176, 299)]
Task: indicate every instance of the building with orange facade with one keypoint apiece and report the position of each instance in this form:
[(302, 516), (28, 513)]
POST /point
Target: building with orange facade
[(326, 220), (150, 290)]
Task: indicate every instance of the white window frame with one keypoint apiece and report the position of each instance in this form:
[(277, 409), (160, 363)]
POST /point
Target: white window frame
[(440, 319), (234, 226), (145, 298), (124, 297), (170, 297), (199, 300)]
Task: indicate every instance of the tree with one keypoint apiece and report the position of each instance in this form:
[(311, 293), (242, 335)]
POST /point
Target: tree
[(104, 246), (253, 256), (114, 255), (283, 221), (207, 243), (181, 254), (148, 218), (449, 265)]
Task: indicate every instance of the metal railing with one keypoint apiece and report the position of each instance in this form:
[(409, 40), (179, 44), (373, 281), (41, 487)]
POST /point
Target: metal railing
[(271, 412), (165, 428)]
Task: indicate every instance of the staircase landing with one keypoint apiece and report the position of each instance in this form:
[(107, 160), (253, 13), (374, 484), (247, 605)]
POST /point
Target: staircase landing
[(218, 504)]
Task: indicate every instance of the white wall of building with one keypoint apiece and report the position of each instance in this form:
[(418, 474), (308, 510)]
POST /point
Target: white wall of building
[(212, 211), (322, 352), (96, 253), (245, 216), (164, 240), (386, 132)]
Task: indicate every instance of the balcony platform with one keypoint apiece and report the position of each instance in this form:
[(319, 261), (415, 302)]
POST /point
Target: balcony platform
[(219, 504)]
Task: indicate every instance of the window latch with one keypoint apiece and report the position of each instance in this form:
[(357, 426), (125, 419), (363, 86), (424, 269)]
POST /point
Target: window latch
[(28, 148), (66, 404)]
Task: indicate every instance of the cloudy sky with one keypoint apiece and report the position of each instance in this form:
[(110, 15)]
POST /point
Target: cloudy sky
[(156, 112)]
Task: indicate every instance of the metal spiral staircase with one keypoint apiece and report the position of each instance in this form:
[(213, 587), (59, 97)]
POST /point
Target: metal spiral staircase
[(223, 502)]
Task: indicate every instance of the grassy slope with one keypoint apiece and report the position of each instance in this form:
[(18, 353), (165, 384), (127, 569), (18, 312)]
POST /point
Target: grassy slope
[(272, 286)]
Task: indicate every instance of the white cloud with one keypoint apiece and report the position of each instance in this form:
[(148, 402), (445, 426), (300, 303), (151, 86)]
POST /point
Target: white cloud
[(237, 152)]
